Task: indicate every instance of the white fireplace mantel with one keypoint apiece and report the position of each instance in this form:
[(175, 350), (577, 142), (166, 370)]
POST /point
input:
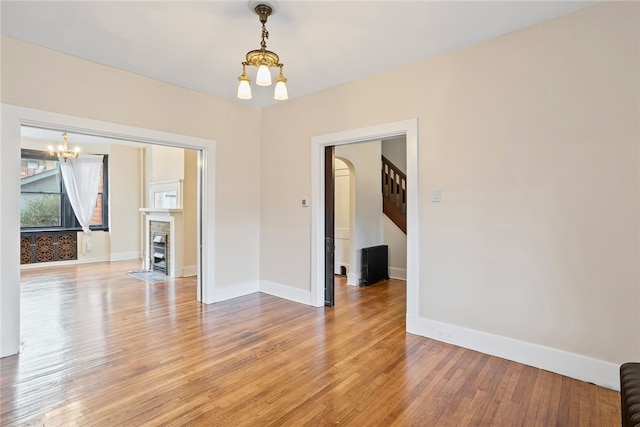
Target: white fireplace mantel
[(174, 218)]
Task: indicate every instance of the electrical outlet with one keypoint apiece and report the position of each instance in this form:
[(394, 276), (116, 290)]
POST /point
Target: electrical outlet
[(444, 334)]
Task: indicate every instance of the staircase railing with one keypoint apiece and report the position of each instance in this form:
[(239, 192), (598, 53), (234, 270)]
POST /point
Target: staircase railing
[(394, 194)]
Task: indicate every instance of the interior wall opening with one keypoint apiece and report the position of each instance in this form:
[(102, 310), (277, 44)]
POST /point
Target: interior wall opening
[(118, 230), (13, 119), (409, 130), (361, 223)]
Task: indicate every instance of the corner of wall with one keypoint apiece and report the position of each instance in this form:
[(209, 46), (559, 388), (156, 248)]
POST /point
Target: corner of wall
[(290, 293)]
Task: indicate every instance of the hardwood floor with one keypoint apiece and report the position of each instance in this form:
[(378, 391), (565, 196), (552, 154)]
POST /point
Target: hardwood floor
[(101, 348)]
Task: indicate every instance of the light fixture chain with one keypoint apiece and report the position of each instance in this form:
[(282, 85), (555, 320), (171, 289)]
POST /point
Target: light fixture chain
[(265, 35)]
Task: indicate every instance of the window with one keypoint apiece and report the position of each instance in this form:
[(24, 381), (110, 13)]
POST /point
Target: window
[(43, 199)]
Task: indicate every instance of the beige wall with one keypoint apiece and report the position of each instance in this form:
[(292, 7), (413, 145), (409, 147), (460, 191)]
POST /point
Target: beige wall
[(395, 150), (165, 164), (533, 139), (396, 240), (46, 80), (125, 197)]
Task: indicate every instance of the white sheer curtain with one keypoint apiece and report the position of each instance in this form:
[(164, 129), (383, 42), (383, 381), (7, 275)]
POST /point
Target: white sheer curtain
[(81, 178)]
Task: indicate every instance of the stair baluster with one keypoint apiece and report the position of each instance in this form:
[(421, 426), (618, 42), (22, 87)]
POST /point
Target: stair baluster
[(394, 194)]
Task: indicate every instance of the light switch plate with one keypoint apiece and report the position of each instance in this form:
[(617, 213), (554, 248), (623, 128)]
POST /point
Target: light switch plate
[(435, 195)]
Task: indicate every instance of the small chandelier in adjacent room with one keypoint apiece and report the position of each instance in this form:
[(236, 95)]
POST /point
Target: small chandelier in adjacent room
[(263, 59), (63, 150)]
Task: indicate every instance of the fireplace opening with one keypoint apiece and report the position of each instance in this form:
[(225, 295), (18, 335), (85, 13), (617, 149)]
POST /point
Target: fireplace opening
[(159, 252)]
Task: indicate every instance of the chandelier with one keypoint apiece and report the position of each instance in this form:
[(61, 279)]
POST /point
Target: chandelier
[(63, 150), (263, 59)]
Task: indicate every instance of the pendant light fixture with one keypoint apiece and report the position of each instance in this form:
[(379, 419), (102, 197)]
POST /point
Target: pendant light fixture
[(263, 59), (63, 150)]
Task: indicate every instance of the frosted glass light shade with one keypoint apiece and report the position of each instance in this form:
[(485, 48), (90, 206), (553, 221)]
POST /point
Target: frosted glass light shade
[(263, 78), (244, 90), (281, 93)]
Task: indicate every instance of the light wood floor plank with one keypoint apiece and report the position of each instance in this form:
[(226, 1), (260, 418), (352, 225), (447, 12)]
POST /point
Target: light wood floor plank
[(100, 348)]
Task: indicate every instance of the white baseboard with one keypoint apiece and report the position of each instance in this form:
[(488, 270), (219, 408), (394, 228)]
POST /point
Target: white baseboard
[(302, 296), (190, 270), (86, 260), (60, 263), (572, 365), (234, 291), (353, 279), (123, 256), (397, 273)]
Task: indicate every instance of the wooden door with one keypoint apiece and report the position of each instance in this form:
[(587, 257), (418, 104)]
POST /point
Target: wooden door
[(329, 224)]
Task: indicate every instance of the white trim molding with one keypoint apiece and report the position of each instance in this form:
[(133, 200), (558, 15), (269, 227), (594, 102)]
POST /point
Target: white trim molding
[(583, 368), (279, 290), (353, 279), (114, 257), (125, 256), (54, 264), (397, 273), (290, 293), (234, 291)]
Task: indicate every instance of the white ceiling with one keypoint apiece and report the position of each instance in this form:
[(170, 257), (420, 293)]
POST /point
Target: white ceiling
[(200, 44)]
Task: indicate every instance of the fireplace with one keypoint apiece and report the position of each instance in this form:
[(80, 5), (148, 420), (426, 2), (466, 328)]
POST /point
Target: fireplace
[(158, 250), (163, 229), (168, 224)]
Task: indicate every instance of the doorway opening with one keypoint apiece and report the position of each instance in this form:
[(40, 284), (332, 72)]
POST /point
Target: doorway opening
[(367, 241), (119, 219), (369, 210), (408, 128), (13, 118)]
